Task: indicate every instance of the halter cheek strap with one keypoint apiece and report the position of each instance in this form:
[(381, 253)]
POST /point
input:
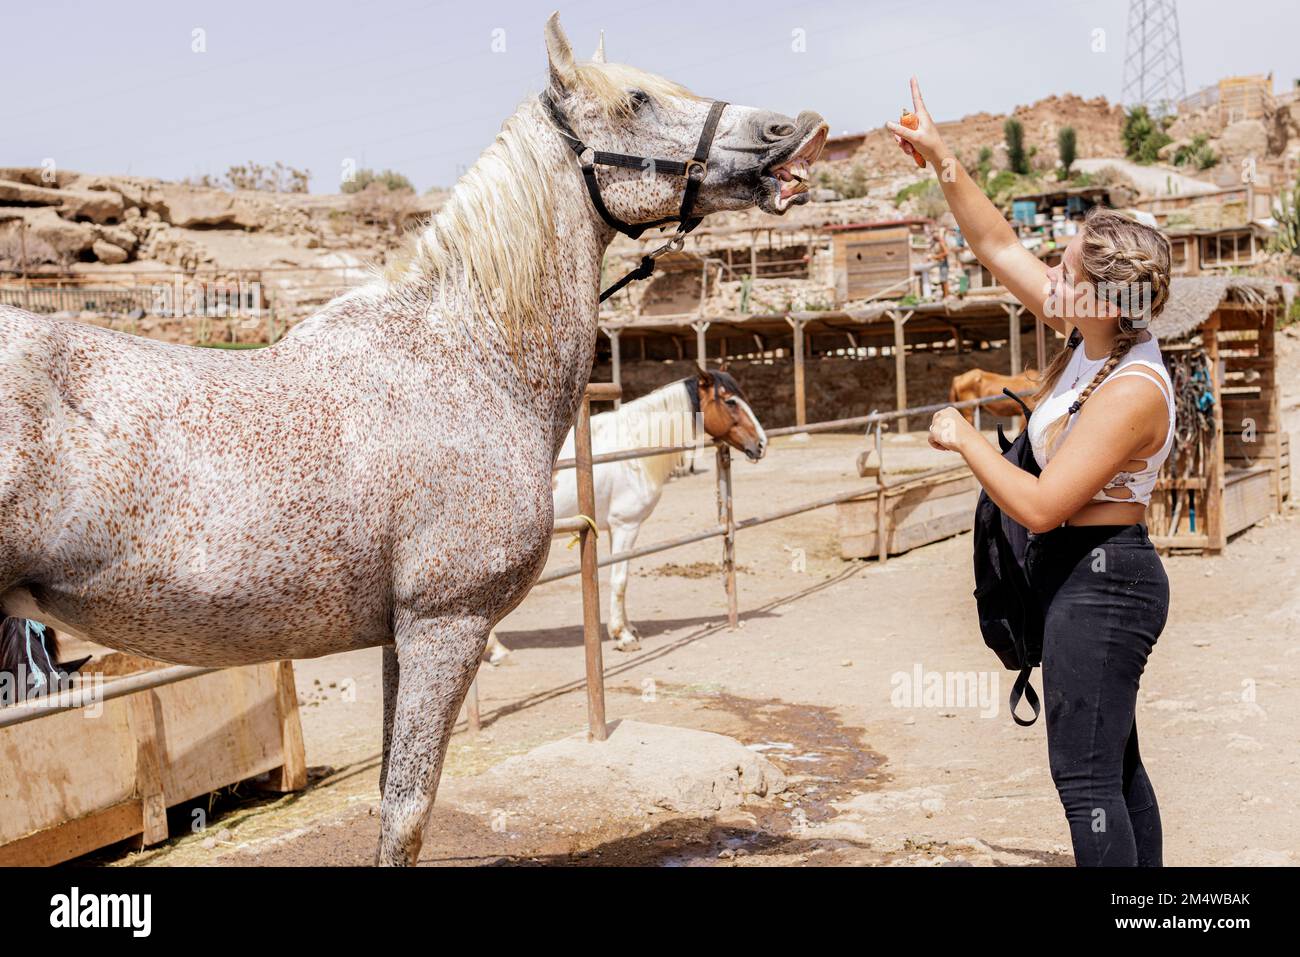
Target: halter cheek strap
[(694, 170), (38, 676)]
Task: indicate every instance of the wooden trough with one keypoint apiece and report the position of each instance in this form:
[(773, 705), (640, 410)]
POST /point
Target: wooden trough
[(77, 780)]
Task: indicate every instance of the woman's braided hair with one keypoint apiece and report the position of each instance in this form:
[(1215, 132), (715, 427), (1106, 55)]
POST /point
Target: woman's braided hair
[(1117, 252)]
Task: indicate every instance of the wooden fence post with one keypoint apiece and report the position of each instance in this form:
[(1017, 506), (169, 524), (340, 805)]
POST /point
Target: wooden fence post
[(726, 518), (596, 729), (800, 395)]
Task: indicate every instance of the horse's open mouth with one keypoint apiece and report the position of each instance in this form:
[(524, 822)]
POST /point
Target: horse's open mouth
[(789, 180)]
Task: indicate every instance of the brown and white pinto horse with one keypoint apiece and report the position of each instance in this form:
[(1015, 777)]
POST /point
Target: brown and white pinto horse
[(711, 403)]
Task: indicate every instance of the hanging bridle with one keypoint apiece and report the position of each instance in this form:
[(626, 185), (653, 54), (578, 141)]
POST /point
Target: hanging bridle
[(694, 170)]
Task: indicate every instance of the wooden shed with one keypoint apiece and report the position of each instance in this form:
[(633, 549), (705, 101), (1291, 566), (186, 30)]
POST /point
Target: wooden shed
[(1230, 465), (870, 258)]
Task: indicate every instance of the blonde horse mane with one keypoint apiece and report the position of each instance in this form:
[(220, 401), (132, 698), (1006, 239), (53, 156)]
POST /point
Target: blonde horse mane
[(508, 194)]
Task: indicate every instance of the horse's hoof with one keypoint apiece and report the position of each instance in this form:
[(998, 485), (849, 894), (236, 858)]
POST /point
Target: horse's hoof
[(498, 655), (627, 643)]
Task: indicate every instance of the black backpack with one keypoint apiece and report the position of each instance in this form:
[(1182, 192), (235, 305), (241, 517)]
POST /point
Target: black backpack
[(1009, 612)]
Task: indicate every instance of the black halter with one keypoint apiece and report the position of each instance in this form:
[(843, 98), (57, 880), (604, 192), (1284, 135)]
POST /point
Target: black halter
[(694, 170)]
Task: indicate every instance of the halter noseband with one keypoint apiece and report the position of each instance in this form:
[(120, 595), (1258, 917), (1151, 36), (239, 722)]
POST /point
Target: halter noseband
[(694, 170)]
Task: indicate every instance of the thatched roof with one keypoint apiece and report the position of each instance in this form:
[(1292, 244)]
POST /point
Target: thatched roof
[(1192, 299)]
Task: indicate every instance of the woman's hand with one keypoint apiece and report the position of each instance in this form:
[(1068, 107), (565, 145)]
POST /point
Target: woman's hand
[(949, 430), (925, 138)]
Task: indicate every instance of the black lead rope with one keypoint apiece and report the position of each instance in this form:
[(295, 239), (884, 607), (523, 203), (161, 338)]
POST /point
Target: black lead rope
[(643, 271), (694, 170)]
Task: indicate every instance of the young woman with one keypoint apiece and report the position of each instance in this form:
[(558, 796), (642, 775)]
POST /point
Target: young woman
[(1102, 426)]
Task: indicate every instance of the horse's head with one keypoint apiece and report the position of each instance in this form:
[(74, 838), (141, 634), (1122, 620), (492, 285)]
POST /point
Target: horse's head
[(36, 662), (726, 415), (756, 157)]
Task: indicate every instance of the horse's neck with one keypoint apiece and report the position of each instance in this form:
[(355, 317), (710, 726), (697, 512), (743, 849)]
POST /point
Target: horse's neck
[(546, 368), (664, 417)]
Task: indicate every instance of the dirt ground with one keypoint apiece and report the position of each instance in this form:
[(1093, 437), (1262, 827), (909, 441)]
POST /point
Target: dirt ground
[(812, 680)]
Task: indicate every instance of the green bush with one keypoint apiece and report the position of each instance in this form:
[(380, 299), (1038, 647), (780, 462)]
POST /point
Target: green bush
[(1197, 153), (850, 183), (1067, 145), (911, 191), (1287, 213), (364, 177), (279, 178), (1144, 135), (1292, 315), (1017, 159)]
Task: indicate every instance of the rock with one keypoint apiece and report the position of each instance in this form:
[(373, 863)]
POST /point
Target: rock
[(134, 192), (642, 765), (109, 253), (119, 236), (69, 239), (189, 206), (38, 176), (26, 194), (1244, 138), (97, 206)]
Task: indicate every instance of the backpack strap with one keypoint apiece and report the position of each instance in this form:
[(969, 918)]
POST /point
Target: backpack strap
[(1022, 688)]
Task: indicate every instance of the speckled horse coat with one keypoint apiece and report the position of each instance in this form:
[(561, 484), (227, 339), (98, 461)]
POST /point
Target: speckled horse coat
[(382, 476)]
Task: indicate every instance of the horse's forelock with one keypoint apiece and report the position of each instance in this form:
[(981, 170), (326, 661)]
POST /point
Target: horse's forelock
[(608, 84), (728, 382)]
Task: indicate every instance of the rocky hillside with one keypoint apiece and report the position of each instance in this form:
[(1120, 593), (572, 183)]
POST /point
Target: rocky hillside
[(1097, 124), (79, 222)]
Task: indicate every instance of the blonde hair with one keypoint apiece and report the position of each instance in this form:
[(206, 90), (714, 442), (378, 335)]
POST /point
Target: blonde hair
[(1116, 251)]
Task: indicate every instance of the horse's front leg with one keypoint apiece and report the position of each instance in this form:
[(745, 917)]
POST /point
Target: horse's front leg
[(391, 673), (622, 538), (436, 661)]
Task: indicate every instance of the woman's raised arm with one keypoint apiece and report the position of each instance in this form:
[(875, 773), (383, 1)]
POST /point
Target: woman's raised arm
[(983, 226)]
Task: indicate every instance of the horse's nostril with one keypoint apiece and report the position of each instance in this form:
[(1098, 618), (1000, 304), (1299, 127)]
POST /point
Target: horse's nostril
[(781, 129)]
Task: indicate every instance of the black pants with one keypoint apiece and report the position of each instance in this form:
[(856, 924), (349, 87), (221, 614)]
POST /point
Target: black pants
[(1105, 598)]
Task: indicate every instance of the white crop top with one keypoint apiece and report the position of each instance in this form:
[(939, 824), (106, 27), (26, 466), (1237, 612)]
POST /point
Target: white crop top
[(1125, 486)]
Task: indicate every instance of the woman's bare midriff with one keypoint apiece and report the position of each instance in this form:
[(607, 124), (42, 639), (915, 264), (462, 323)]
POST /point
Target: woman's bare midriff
[(1109, 513)]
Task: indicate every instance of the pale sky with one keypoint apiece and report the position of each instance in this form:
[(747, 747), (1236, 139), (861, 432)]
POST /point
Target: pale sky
[(416, 86)]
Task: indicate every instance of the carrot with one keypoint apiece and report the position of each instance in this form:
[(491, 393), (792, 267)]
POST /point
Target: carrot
[(911, 121)]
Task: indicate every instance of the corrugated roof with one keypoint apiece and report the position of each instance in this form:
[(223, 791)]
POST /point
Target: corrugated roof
[(1192, 299)]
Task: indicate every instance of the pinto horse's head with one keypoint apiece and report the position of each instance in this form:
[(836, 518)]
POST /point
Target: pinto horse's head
[(29, 665), (725, 413), (757, 157)]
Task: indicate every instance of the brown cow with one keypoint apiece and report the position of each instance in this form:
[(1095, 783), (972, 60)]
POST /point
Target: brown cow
[(978, 383)]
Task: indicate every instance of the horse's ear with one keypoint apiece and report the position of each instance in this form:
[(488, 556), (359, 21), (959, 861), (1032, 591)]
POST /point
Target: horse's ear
[(599, 55), (72, 667), (559, 55), (705, 379)]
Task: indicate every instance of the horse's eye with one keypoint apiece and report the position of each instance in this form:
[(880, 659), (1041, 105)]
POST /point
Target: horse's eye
[(733, 403), (638, 99)]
